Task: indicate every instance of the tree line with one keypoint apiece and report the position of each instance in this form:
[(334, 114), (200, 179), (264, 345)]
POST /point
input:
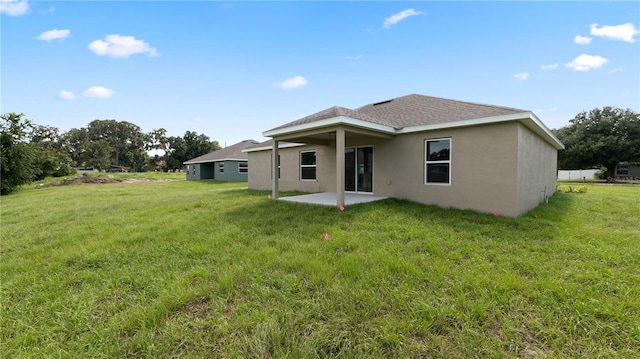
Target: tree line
[(32, 152), (594, 139), (600, 138)]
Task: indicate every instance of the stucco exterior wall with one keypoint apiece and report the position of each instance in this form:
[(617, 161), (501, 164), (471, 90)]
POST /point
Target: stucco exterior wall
[(537, 169), (231, 173), (483, 162), (199, 171), (260, 169)]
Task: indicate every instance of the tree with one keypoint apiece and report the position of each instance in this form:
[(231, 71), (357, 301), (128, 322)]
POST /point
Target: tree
[(74, 143), (600, 137), (47, 137), (190, 146), (158, 140), (126, 141), (49, 159), (197, 145), (98, 155), (177, 153), (50, 163), (16, 163)]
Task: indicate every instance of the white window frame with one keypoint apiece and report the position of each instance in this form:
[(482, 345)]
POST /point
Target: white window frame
[(427, 162), (221, 167), (245, 168), (315, 165)]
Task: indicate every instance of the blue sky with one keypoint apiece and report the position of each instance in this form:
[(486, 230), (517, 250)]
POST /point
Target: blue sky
[(232, 70)]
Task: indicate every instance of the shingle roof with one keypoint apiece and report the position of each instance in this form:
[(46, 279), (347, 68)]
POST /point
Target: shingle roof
[(418, 110), (337, 111), (410, 110), (230, 152)]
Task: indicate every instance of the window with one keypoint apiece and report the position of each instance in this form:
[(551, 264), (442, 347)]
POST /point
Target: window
[(243, 167), (437, 169), (308, 165), (221, 167)]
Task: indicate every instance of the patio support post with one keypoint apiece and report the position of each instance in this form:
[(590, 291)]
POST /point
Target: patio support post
[(274, 170), (340, 143)]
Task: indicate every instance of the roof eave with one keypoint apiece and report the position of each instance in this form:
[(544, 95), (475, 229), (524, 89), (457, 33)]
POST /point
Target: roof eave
[(528, 118), (267, 148), (333, 121), (214, 160)]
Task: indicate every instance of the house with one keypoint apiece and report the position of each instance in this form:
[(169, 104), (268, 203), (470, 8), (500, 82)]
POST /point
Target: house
[(627, 171), (425, 149), (226, 164)]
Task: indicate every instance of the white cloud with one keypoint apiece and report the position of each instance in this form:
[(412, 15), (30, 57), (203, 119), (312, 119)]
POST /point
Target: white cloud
[(394, 19), (115, 45), (66, 95), (521, 76), (54, 34), (550, 66), (586, 62), (98, 92), (625, 32), (582, 40), (292, 83), (14, 7)]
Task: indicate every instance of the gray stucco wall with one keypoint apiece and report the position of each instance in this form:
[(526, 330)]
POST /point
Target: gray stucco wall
[(537, 169), (260, 169), (483, 168), (199, 171)]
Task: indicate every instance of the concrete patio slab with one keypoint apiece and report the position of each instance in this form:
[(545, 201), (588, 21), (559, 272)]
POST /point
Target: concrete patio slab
[(329, 199)]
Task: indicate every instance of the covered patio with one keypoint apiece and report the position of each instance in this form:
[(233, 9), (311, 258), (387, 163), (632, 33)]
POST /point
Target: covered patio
[(330, 199)]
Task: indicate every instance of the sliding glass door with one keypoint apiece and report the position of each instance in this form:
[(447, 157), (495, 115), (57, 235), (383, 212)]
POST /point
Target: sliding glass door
[(358, 169)]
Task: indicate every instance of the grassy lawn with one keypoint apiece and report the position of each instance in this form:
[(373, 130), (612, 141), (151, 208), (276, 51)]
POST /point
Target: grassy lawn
[(206, 269)]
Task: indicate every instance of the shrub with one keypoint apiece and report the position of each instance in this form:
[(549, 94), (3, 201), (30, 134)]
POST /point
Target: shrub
[(570, 189), (601, 173)]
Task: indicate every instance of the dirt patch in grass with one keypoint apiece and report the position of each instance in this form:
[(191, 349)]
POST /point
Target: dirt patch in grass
[(198, 308), (102, 179)]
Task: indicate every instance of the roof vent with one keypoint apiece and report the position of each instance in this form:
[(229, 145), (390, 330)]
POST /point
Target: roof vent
[(381, 103)]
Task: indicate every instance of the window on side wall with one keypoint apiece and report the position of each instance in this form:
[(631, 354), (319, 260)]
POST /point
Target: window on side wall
[(243, 167), (221, 167), (437, 168), (308, 165)]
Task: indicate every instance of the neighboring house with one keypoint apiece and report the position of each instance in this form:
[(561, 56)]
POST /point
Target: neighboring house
[(628, 170), (226, 164), (424, 149)]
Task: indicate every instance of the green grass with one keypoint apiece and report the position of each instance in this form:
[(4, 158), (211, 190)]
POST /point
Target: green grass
[(206, 269)]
